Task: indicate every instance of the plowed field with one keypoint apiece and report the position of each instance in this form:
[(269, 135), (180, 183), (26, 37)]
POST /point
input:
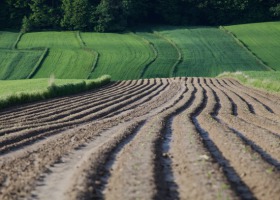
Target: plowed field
[(182, 138)]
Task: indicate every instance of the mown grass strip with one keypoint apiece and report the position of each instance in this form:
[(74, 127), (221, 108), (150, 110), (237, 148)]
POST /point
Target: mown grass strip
[(262, 39), (268, 81), (52, 91)]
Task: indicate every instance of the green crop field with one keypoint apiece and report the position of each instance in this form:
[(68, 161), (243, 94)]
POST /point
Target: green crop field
[(208, 51), (263, 39), (166, 56), (7, 39), (67, 63), (159, 52), (17, 64), (65, 59), (123, 56)]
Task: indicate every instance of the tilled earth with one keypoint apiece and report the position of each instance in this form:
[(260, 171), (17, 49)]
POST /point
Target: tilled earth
[(181, 138)]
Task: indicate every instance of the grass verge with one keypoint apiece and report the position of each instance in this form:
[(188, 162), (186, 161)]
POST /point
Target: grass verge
[(51, 91), (268, 81)]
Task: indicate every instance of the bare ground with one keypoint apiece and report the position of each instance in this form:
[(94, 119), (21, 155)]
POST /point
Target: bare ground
[(181, 138)]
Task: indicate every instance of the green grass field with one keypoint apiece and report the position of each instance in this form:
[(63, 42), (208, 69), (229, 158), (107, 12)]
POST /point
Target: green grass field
[(166, 58), (152, 52), (66, 58), (123, 56), (263, 39), (208, 51), (7, 39)]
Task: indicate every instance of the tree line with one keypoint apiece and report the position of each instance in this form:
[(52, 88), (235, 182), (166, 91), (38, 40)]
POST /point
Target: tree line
[(117, 15)]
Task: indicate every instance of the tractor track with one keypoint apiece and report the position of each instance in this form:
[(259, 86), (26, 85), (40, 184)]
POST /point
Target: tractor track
[(176, 138)]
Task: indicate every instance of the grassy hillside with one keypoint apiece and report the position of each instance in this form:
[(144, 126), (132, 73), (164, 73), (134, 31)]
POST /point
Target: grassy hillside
[(263, 39), (66, 59), (166, 56), (162, 52), (123, 56), (208, 51)]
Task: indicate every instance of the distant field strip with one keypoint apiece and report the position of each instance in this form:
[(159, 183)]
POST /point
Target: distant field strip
[(65, 59), (166, 56), (7, 39), (17, 64), (123, 56), (263, 39), (208, 51)]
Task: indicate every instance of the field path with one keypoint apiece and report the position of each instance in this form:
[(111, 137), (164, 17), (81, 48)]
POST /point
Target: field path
[(179, 138)]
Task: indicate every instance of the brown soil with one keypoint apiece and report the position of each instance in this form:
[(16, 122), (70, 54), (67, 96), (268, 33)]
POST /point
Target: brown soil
[(180, 138)]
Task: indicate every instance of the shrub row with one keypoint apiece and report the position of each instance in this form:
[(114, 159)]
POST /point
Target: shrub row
[(54, 91)]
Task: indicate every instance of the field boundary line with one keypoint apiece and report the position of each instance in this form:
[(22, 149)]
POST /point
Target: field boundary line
[(179, 51), (154, 49), (17, 41), (92, 51), (39, 63), (244, 46)]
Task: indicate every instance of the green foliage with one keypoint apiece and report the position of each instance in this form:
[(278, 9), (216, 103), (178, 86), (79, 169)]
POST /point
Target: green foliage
[(116, 15), (208, 52), (76, 14), (262, 39), (26, 25), (28, 93)]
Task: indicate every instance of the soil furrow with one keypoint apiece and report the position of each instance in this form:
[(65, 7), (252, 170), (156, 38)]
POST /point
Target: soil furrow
[(200, 121), (126, 186), (247, 164), (260, 94), (177, 138), (65, 105), (262, 141), (271, 126), (195, 172), (9, 141), (28, 108), (41, 155), (79, 116), (261, 108)]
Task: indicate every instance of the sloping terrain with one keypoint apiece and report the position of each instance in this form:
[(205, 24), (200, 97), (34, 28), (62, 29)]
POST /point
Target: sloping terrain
[(262, 39), (209, 51), (188, 138), (123, 56)]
